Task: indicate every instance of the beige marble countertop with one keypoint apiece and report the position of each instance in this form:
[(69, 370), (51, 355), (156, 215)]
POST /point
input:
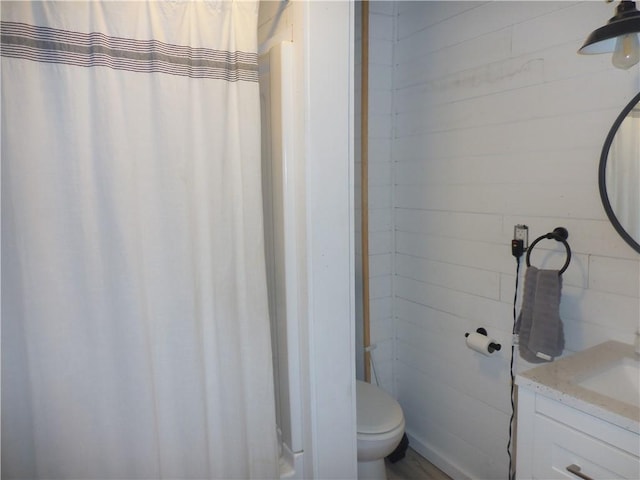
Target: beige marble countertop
[(557, 381)]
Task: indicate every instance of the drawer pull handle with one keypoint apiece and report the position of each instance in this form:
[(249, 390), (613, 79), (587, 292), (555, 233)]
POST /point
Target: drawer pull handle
[(577, 471)]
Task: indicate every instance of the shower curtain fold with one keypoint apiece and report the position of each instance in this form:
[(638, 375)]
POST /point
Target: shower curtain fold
[(135, 331)]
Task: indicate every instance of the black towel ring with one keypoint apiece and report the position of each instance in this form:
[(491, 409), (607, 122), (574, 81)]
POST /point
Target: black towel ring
[(560, 234)]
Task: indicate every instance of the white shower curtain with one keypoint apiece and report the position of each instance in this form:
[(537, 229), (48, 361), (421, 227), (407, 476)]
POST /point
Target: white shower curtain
[(135, 332)]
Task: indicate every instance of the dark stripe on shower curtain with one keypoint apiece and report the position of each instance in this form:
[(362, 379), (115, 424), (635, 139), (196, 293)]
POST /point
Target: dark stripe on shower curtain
[(51, 45)]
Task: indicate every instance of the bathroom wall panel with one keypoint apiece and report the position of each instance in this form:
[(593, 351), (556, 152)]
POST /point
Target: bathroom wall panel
[(381, 27), (384, 330), (476, 77), (379, 195), (413, 353), (614, 275), (379, 124), (483, 227), (581, 334), (497, 169), (380, 286), (380, 242), (480, 430), (472, 24), (498, 77), (381, 222), (560, 28), (496, 121), (382, 47), (481, 311), (380, 177), (590, 236), (382, 104), (380, 149), (593, 306), (381, 311), (414, 17), (382, 34), (383, 8), (383, 359), (533, 101), (457, 251), (550, 200), (436, 65), (440, 438), (484, 283), (380, 265), (508, 137), (380, 82)]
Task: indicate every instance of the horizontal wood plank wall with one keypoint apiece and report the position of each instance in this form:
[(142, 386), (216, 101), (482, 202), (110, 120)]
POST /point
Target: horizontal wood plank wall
[(382, 17), (495, 121)]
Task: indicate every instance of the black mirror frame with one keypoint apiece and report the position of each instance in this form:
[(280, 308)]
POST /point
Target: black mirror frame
[(602, 175)]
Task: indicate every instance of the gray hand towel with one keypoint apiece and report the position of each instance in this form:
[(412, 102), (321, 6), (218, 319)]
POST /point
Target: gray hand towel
[(547, 336), (525, 319), (539, 325)]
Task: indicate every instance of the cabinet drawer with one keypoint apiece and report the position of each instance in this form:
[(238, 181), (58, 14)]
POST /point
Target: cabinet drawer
[(558, 446), (593, 426)]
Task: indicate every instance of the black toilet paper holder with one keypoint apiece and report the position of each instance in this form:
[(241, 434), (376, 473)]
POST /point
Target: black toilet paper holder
[(492, 346)]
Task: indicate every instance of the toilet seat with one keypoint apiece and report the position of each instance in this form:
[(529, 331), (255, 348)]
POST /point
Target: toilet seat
[(377, 411)]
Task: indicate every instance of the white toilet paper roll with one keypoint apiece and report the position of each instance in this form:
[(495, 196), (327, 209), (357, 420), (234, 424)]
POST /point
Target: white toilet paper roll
[(479, 343)]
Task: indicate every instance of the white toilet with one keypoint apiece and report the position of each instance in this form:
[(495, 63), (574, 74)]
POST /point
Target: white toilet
[(380, 429)]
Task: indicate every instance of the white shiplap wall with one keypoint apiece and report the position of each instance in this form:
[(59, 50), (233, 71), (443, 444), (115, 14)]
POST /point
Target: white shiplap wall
[(381, 39), (382, 34), (489, 119)]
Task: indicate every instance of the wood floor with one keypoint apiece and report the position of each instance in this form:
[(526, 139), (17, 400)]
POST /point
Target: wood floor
[(414, 467)]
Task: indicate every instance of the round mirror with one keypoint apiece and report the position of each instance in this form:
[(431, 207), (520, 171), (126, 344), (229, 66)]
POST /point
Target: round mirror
[(619, 174)]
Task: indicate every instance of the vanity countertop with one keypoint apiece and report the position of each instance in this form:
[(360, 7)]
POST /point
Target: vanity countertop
[(557, 381)]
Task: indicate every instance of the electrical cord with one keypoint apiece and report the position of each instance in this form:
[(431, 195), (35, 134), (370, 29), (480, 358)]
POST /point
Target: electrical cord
[(517, 249)]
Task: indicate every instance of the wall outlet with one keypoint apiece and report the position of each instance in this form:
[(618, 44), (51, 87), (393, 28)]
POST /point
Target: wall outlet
[(521, 232)]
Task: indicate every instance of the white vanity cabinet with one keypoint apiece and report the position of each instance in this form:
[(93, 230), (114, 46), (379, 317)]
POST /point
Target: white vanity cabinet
[(558, 441), (569, 427)]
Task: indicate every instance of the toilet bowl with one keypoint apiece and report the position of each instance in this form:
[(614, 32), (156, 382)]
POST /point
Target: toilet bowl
[(380, 429)]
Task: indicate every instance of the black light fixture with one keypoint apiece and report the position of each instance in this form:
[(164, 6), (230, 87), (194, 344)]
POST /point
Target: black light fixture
[(619, 36)]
